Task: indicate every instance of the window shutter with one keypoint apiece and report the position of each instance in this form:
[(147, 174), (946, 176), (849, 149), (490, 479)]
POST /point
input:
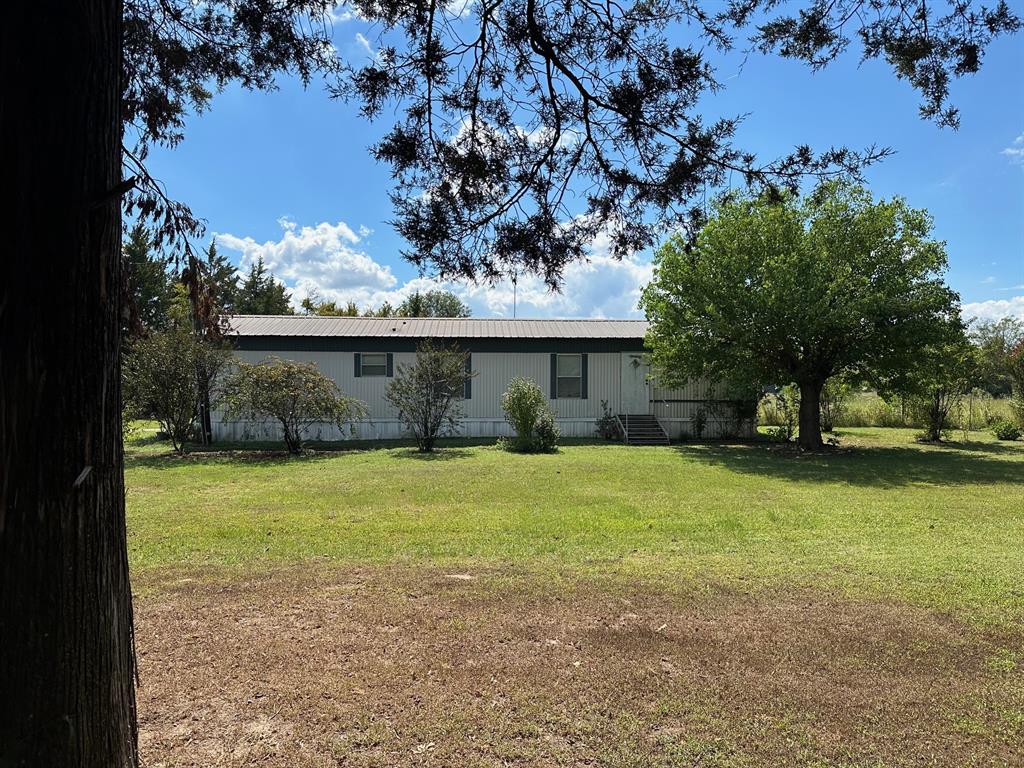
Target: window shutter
[(583, 375), (467, 392), (554, 376), (391, 365), (359, 365)]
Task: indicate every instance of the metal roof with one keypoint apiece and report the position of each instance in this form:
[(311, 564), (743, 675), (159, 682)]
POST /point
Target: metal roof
[(434, 327)]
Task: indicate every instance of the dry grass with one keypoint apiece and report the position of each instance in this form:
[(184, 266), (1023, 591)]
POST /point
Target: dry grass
[(414, 666)]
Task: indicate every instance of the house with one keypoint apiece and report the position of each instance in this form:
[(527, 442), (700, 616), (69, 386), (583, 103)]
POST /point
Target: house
[(580, 364)]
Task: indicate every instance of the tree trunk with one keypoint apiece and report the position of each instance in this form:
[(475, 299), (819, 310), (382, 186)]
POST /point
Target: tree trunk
[(809, 436), (66, 651)]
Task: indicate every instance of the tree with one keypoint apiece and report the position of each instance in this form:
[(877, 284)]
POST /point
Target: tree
[(262, 294), (1015, 366), (296, 395), (428, 393), (433, 303), (552, 94), (311, 305), (799, 290), (166, 376), (935, 383), (148, 281), (995, 342), (530, 126), (222, 276)]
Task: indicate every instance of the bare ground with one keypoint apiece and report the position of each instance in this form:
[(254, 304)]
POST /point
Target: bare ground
[(416, 667)]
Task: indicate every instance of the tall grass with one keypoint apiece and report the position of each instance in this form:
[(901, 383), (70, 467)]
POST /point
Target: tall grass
[(978, 410)]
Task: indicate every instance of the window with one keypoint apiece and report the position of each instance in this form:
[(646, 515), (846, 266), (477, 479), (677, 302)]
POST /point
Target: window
[(373, 364), (569, 376)]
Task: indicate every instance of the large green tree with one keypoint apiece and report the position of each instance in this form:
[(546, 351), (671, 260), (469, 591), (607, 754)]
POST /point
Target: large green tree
[(507, 113), (260, 293), (800, 290)]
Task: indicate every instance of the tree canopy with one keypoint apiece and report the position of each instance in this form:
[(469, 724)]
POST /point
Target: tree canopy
[(260, 293), (526, 127), (800, 290), (996, 341), (433, 303)]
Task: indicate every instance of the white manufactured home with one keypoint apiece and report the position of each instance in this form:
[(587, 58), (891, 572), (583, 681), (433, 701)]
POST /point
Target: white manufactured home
[(580, 364)]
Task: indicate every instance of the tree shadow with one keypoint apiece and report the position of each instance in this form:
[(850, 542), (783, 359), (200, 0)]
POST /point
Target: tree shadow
[(438, 454), (208, 457), (880, 467)]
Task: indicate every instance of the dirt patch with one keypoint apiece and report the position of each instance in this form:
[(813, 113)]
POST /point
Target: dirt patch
[(383, 667)]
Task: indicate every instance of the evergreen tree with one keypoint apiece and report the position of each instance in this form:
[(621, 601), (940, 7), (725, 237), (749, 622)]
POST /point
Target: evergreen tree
[(223, 277), (148, 282), (262, 294)]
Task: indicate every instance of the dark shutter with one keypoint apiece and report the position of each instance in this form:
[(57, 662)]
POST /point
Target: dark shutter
[(554, 376), (468, 388), (583, 376), (391, 365), (359, 365)]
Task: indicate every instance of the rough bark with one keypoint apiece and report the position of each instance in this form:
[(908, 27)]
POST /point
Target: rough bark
[(809, 434), (66, 657)]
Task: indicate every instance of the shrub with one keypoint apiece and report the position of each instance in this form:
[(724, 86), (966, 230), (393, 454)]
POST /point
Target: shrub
[(699, 422), (607, 424), (1006, 430), (835, 396), (428, 393), (546, 433), (294, 394), (161, 376), (525, 406)]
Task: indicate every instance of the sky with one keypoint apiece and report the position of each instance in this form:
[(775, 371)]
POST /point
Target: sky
[(287, 175)]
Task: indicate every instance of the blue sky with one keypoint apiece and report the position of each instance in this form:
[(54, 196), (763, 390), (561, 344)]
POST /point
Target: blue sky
[(287, 176)]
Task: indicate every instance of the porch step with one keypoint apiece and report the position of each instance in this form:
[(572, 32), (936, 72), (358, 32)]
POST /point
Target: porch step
[(642, 429)]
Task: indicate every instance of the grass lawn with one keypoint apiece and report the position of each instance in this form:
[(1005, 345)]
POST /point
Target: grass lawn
[(685, 605)]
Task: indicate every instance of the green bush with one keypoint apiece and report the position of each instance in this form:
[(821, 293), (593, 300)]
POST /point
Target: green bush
[(1006, 430), (545, 433), (607, 424), (526, 410)]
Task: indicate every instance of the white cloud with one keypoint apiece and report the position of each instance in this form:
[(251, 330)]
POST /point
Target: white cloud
[(988, 280), (994, 309), (365, 43), (321, 258), (340, 14), (325, 260), (1016, 151), (600, 287)]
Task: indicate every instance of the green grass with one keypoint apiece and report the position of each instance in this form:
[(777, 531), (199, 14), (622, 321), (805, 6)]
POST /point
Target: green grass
[(941, 527)]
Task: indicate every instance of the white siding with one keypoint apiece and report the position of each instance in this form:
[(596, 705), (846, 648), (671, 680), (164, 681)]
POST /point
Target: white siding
[(483, 414), (674, 408)]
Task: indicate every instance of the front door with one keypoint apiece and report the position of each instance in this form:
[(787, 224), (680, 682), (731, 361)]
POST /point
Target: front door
[(636, 397)]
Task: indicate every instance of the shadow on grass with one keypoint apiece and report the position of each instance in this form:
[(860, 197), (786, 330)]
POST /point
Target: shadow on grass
[(888, 467), (208, 456), (438, 454)]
